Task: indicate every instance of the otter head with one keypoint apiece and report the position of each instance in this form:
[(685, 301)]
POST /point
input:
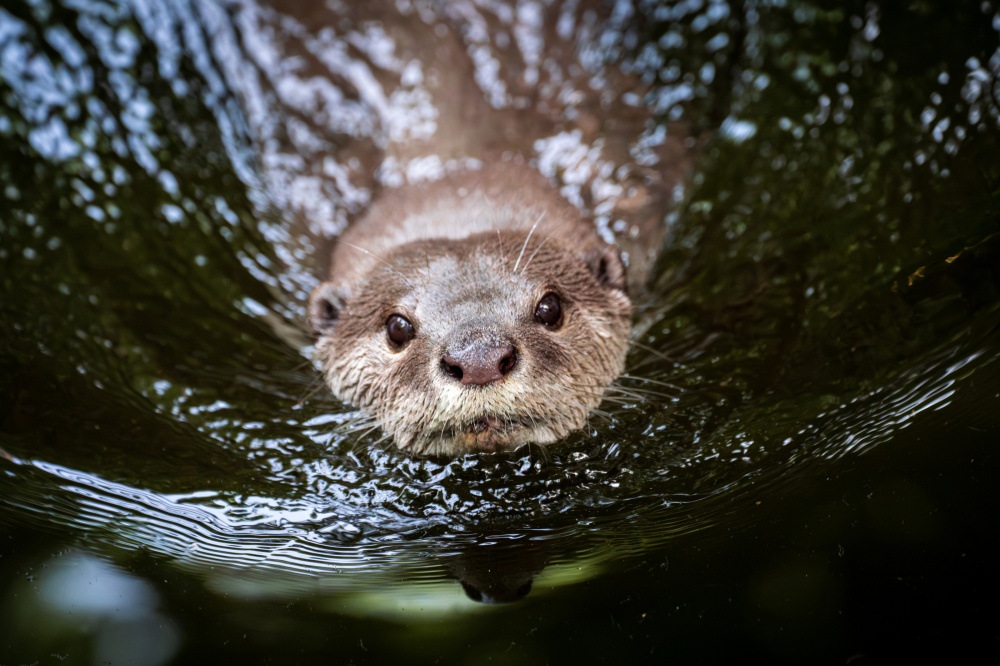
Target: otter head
[(479, 344)]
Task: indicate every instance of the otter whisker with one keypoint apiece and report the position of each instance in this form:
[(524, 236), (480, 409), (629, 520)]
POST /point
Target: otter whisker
[(621, 400), (366, 424), (367, 431), (375, 256), (617, 387), (651, 381), (528, 262), (558, 227), (638, 393), (298, 367), (362, 423), (318, 386), (601, 413), (653, 351), (503, 254), (526, 239), (383, 439)]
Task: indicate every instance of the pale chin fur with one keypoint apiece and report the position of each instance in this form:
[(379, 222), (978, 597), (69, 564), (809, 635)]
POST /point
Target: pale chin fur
[(444, 415), (455, 407)]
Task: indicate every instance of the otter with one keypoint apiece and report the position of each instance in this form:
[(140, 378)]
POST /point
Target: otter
[(496, 186), (479, 312)]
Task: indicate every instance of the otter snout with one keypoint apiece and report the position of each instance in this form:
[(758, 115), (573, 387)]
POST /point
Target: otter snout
[(479, 362)]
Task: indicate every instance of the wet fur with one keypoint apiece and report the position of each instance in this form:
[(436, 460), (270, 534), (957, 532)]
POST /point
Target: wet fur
[(474, 252)]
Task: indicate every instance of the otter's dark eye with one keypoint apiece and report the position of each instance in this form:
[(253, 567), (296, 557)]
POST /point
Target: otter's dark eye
[(549, 310), (399, 331)]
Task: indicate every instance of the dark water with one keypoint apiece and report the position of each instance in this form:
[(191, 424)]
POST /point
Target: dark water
[(799, 466)]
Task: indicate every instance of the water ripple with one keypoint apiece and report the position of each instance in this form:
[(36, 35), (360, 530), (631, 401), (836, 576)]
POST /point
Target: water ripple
[(188, 163)]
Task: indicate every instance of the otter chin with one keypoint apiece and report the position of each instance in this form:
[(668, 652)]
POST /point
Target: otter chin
[(481, 312)]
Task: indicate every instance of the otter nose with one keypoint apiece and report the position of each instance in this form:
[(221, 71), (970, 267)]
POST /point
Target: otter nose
[(480, 363)]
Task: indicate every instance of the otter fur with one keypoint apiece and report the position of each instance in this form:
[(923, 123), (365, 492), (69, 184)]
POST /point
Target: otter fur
[(480, 312)]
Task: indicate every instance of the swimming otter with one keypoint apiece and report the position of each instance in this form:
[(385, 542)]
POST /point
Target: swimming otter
[(479, 312), (467, 307)]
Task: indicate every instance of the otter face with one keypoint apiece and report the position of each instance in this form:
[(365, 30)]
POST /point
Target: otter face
[(473, 344)]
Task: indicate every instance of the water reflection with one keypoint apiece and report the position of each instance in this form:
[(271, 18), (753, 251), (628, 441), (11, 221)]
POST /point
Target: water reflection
[(80, 603), (173, 171)]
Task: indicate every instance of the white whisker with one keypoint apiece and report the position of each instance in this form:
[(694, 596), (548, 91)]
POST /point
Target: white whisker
[(375, 256), (526, 239)]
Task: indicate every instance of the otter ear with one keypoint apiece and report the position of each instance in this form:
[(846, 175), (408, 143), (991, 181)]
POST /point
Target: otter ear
[(605, 262), (325, 305)]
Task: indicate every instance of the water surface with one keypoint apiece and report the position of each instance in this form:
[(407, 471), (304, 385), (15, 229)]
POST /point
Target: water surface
[(800, 456)]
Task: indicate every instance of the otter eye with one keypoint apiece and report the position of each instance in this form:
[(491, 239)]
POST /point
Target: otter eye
[(399, 330), (549, 310)]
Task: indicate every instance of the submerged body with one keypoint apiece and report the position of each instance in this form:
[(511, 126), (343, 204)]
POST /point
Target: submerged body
[(481, 312)]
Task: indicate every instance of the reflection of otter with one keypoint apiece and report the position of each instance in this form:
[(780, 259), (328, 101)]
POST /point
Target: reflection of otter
[(480, 312), (498, 572)]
